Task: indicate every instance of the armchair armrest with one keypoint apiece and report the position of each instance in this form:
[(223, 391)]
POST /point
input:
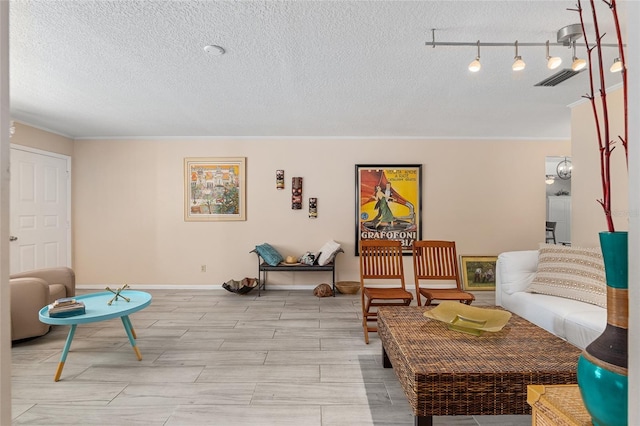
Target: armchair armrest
[(28, 296), (61, 275)]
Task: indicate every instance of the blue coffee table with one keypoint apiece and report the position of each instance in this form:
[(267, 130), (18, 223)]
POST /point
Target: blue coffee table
[(97, 309)]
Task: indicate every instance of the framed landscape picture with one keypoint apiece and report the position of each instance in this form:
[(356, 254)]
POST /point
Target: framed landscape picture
[(214, 189), (479, 272), (389, 203)]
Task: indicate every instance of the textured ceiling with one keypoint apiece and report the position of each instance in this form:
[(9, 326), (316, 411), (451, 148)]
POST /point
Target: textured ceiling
[(298, 68)]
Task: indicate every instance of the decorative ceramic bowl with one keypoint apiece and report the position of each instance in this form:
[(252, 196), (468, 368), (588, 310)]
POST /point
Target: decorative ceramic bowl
[(348, 287), (469, 319)]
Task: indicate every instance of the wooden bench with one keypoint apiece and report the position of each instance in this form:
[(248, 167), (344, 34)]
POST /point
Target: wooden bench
[(264, 267)]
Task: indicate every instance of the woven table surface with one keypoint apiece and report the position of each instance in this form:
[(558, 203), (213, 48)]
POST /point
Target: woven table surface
[(446, 372)]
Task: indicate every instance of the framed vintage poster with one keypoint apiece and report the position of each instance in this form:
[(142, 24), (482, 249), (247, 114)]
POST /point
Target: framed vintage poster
[(214, 189), (389, 203), (478, 272)]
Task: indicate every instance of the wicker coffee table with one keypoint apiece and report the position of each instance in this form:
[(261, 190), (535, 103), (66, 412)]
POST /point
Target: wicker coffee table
[(448, 373)]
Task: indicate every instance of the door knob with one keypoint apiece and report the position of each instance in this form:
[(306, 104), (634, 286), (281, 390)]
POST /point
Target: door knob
[(12, 238)]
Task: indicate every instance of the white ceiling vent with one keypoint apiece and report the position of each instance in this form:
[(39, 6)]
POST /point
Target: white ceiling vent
[(558, 78)]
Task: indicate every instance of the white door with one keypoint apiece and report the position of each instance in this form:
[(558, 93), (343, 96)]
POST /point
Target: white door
[(39, 210)]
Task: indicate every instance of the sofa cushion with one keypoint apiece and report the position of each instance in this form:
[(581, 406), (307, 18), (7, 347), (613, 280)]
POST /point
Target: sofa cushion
[(583, 326), (516, 270), (572, 273)]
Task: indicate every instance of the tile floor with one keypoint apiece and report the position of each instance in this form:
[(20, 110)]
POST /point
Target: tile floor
[(216, 358)]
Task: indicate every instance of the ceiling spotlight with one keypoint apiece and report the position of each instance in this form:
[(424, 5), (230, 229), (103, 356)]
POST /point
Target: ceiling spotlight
[(616, 66), (553, 62), (578, 63), (476, 65), (518, 64)]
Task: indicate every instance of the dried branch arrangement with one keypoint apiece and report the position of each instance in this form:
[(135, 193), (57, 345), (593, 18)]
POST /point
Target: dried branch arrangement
[(606, 144)]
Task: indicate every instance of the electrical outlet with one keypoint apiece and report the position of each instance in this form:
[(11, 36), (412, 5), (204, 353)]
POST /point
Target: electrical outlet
[(203, 268)]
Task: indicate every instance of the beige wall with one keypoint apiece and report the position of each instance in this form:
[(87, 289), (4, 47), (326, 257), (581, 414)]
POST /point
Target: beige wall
[(588, 218), (41, 139), (489, 196)]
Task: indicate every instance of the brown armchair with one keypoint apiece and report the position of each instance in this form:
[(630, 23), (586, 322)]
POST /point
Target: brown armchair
[(32, 290)]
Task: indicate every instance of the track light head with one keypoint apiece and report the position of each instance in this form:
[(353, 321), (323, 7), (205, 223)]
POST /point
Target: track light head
[(476, 65), (578, 63), (616, 66), (518, 63), (553, 62)]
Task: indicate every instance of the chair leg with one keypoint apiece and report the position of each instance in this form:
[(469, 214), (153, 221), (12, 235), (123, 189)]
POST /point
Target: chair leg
[(418, 296)]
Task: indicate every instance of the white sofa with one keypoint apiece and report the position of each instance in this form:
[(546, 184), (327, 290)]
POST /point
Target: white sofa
[(577, 322)]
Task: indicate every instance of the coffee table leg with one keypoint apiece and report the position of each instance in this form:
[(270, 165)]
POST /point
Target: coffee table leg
[(386, 363), (423, 421), (131, 334), (65, 351)]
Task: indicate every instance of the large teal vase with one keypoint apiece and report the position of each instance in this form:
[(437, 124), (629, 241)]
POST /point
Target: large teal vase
[(602, 366)]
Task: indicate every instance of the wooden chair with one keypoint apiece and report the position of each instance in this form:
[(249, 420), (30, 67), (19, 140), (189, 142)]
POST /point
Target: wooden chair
[(437, 260), (381, 261)]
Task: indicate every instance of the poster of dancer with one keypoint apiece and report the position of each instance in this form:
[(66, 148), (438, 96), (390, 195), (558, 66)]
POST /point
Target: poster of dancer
[(389, 204)]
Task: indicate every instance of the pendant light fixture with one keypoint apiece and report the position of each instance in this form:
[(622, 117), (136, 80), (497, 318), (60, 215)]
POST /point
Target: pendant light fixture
[(616, 66), (518, 63), (553, 62), (564, 169), (476, 65), (578, 63)]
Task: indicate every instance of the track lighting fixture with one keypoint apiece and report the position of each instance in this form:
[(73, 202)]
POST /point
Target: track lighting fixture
[(578, 63), (476, 65), (518, 63), (553, 62), (616, 66), (566, 36)]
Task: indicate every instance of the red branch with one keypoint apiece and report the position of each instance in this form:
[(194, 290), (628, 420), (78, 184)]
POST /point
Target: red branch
[(604, 143), (625, 138)]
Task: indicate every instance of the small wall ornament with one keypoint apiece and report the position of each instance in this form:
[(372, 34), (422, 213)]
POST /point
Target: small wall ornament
[(313, 208), (279, 179), (296, 193)]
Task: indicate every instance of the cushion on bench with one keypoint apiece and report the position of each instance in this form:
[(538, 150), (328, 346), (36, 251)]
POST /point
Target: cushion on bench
[(269, 254)]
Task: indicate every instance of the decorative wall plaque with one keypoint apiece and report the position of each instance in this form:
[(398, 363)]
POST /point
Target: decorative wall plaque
[(279, 179), (313, 208), (296, 193)]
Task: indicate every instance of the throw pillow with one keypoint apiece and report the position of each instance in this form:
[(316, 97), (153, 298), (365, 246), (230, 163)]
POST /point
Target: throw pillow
[(571, 272), (328, 252), (309, 258), (269, 254)]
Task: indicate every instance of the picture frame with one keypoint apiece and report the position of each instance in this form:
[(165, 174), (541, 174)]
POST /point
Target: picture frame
[(214, 189), (388, 203), (478, 272)]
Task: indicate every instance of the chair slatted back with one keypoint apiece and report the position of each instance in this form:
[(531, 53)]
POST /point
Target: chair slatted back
[(436, 260), (381, 260)]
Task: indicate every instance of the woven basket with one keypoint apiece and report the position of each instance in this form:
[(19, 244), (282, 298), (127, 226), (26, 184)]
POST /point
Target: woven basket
[(348, 287)]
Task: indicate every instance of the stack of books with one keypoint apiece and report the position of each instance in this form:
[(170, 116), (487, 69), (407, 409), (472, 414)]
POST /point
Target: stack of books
[(66, 307)]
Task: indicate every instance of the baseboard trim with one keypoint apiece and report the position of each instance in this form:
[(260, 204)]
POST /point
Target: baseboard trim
[(192, 287)]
